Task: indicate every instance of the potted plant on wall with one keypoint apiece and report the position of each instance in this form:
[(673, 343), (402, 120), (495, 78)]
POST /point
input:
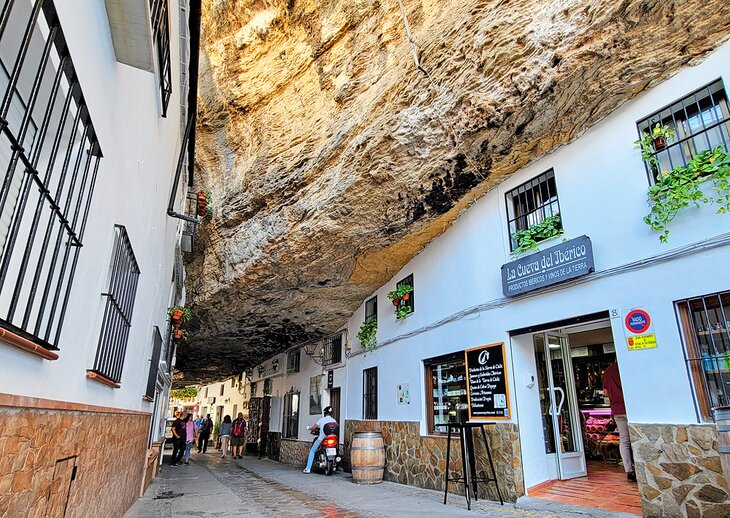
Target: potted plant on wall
[(526, 240), (203, 204), (179, 335), (400, 297), (367, 333), (179, 315)]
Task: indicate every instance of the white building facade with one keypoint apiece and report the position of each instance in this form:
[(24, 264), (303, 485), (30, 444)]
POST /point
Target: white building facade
[(92, 124), (660, 310)]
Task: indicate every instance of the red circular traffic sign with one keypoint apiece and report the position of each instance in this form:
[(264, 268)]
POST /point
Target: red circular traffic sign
[(637, 321)]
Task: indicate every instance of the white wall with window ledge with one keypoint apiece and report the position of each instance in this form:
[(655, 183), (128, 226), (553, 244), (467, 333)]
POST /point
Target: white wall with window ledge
[(602, 184), (140, 154)]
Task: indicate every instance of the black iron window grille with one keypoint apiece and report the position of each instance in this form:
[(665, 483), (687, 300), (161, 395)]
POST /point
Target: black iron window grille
[(699, 121), (119, 306), (154, 364), (705, 321), (332, 350), (371, 309), (292, 361), (160, 17), (49, 159), (290, 428), (531, 203), (223, 387), (253, 389), (267, 387), (411, 300), (370, 393)]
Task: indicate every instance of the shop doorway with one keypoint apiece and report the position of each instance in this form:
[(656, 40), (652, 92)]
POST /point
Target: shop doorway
[(581, 443)]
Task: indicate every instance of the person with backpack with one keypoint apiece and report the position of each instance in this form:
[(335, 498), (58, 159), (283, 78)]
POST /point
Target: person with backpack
[(206, 427), (238, 436)]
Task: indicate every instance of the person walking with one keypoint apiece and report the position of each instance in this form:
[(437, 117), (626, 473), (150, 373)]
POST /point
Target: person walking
[(206, 426), (178, 439), (225, 434), (191, 435), (614, 391), (238, 436)]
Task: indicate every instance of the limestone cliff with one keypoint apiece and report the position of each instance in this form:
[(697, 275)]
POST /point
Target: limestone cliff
[(332, 159)]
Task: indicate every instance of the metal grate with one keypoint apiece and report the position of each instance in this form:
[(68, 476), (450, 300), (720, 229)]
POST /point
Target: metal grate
[(119, 305), (706, 323), (49, 159), (700, 121), (370, 393), (332, 350), (160, 17), (291, 415), (411, 302), (371, 309), (531, 203)]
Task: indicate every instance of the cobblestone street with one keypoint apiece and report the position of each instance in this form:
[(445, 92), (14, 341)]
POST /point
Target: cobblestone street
[(213, 487)]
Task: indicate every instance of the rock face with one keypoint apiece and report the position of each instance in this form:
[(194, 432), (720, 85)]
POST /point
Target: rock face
[(332, 159)]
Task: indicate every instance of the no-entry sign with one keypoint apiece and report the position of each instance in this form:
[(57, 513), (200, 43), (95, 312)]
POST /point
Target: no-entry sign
[(637, 321)]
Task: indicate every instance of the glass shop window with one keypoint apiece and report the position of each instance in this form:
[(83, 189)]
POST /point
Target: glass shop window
[(445, 391)]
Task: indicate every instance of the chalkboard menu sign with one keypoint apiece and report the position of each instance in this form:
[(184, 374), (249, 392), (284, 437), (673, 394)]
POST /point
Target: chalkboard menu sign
[(486, 383)]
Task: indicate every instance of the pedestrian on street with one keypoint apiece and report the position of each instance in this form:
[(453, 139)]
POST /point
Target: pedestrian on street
[(191, 435), (238, 436), (225, 434), (178, 439), (614, 391), (206, 426)]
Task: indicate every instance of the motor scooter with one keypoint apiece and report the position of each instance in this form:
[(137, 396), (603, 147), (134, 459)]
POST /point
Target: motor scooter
[(326, 458)]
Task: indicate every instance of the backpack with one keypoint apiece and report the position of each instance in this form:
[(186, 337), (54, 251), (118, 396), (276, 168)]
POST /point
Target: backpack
[(237, 427)]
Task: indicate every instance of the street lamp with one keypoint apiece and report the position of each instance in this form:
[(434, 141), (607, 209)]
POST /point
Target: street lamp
[(315, 350)]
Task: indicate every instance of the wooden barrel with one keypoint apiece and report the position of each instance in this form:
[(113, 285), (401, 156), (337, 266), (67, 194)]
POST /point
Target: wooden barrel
[(367, 455)]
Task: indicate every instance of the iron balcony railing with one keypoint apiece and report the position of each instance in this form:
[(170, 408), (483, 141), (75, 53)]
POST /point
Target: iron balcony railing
[(160, 18)]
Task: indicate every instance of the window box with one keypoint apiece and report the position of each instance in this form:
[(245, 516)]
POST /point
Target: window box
[(403, 298), (533, 213)]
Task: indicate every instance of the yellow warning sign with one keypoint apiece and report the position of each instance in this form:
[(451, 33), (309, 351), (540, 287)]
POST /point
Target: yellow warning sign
[(641, 342)]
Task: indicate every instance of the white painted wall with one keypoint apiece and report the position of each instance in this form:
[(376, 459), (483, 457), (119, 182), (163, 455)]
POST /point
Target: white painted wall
[(134, 182), (232, 396)]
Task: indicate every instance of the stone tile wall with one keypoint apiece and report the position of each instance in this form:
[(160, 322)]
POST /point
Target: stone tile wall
[(293, 451), (679, 471), (110, 451), (421, 460)]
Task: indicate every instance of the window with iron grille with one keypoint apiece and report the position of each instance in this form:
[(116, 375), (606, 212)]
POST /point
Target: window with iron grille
[(292, 361), (705, 324), (370, 393), (332, 349), (154, 365), (223, 385), (253, 389), (410, 299), (160, 18), (290, 429), (118, 312), (267, 387), (206, 391), (531, 203), (49, 159), (371, 309), (700, 121)]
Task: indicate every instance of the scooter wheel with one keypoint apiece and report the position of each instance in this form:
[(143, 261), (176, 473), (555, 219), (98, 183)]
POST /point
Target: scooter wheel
[(330, 467)]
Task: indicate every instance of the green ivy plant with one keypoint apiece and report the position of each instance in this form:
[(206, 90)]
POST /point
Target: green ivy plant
[(366, 335), (184, 393), (401, 310), (528, 238), (680, 188), (646, 144)]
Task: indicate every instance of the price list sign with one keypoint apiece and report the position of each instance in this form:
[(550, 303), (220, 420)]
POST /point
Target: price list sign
[(487, 387)]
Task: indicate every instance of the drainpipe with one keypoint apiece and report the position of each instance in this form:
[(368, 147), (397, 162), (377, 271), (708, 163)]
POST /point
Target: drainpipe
[(189, 137)]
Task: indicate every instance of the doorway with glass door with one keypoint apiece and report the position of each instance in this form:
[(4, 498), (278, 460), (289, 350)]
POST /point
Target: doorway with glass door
[(580, 437)]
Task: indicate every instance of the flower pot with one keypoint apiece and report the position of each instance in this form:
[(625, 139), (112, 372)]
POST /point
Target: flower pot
[(176, 317), (177, 334), (406, 296), (396, 302), (659, 143)]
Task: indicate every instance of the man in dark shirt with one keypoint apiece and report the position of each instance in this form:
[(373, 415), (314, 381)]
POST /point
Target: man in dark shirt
[(612, 388), (206, 426), (178, 438)]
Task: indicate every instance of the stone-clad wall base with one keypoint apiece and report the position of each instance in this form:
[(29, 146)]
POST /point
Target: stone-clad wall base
[(679, 471), (110, 451), (294, 452), (421, 461)]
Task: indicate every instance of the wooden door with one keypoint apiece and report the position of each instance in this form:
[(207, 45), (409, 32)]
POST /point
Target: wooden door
[(335, 404)]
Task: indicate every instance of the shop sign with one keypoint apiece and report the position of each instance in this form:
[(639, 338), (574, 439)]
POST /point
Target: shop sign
[(556, 264), (487, 387), (641, 342)]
